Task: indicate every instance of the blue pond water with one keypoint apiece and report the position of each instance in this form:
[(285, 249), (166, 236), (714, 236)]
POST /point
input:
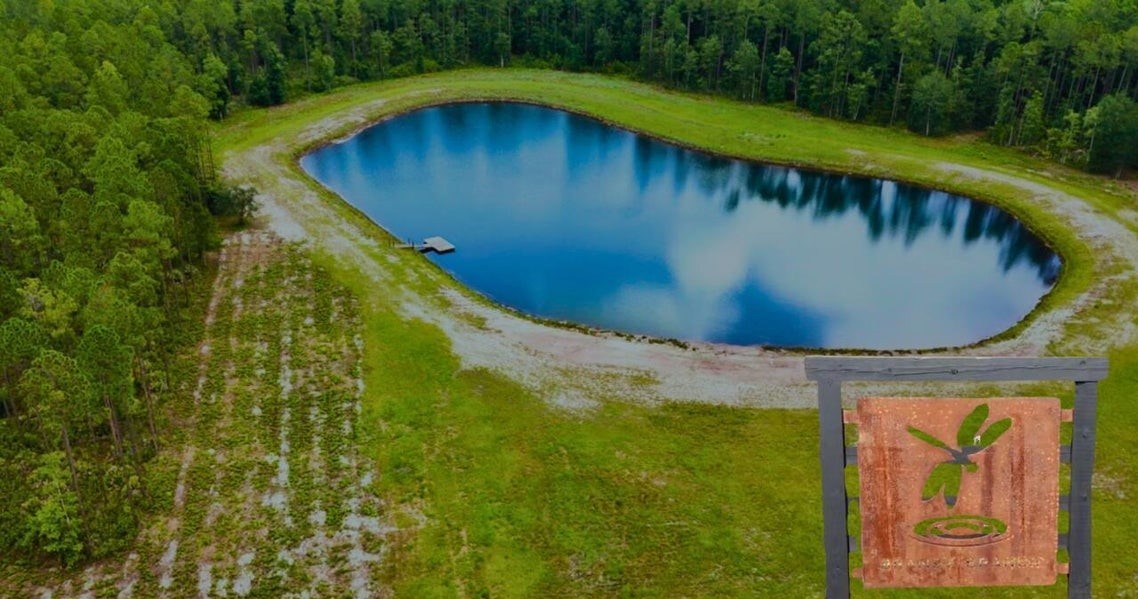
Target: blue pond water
[(564, 217)]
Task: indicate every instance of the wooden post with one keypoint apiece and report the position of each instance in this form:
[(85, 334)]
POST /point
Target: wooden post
[(1082, 470), (831, 371), (834, 510)]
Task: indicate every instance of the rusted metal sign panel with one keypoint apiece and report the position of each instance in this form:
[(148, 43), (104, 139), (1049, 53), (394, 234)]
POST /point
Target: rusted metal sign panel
[(958, 492)]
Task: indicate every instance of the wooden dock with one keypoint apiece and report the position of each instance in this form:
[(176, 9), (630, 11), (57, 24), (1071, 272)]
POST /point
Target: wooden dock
[(430, 244), (437, 245)]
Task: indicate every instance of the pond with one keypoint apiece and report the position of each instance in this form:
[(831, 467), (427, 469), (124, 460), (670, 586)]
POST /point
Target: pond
[(564, 217)]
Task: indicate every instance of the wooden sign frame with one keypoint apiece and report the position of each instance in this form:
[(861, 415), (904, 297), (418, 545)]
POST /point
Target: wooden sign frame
[(831, 371)]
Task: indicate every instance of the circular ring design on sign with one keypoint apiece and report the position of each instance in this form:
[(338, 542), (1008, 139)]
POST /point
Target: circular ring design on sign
[(961, 530)]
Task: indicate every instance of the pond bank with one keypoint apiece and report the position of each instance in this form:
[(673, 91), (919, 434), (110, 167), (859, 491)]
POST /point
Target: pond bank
[(1090, 312)]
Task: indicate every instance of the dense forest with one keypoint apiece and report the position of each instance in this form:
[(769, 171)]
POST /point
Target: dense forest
[(1055, 77), (108, 195), (107, 203)]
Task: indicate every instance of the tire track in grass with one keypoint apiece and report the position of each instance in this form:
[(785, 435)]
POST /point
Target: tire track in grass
[(241, 529), (277, 497), (216, 560), (267, 521), (309, 558), (204, 494), (231, 260), (357, 532), (245, 527), (361, 530), (213, 422), (290, 388)]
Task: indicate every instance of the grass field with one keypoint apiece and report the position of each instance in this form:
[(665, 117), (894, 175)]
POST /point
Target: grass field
[(524, 499), (481, 486)]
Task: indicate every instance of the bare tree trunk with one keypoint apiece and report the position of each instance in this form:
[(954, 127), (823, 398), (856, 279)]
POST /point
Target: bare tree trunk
[(116, 427), (307, 77), (651, 36), (763, 61), (1057, 77), (897, 90), (10, 403), (130, 437), (798, 65), (70, 459), (1094, 86), (142, 378), (83, 520)]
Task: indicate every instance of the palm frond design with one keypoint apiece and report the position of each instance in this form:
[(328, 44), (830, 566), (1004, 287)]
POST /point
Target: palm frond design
[(946, 476)]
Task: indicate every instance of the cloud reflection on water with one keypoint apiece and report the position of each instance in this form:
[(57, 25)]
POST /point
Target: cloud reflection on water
[(565, 217)]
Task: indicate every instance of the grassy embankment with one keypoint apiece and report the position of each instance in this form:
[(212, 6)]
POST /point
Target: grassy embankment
[(524, 500)]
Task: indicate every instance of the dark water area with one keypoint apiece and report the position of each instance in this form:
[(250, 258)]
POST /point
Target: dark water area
[(564, 217)]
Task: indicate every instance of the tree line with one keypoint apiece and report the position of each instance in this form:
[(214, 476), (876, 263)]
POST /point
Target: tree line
[(108, 202), (1055, 77)]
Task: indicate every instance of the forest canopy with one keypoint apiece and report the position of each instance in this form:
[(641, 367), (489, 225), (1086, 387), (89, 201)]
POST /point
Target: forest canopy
[(108, 203), (1029, 72), (108, 195), (1032, 73)]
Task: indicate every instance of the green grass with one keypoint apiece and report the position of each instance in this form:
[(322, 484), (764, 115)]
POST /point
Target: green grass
[(679, 500), (521, 499), (526, 500)]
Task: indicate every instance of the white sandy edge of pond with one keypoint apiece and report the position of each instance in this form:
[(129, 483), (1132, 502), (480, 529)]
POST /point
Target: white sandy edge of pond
[(575, 370)]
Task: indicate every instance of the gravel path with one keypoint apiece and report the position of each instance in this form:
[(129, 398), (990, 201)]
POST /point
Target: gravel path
[(576, 369), (1116, 248)]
